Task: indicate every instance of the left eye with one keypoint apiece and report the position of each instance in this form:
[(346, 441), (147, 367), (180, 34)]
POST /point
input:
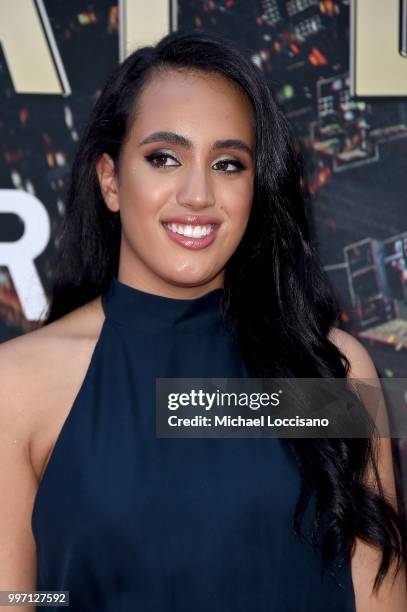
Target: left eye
[(234, 162)]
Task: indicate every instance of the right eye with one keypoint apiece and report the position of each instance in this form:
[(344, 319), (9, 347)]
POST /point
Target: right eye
[(155, 158)]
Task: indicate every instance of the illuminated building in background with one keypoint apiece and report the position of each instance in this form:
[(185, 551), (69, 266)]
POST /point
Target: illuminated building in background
[(293, 7), (272, 13), (368, 283), (377, 277)]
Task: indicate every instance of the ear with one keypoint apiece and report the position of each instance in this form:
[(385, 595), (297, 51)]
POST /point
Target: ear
[(108, 182)]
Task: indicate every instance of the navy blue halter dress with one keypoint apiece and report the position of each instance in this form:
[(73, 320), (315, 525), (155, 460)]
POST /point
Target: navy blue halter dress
[(126, 521)]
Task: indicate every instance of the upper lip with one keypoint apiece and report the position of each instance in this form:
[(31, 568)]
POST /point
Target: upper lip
[(192, 220)]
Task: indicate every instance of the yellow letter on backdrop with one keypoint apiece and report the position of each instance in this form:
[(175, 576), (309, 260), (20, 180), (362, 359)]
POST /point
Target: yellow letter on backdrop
[(144, 22), (30, 49), (378, 40)]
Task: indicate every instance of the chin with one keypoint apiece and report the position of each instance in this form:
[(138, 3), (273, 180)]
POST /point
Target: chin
[(185, 282), (189, 280)]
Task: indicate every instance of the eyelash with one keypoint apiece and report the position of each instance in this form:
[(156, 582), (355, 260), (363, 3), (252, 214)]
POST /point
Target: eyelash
[(153, 156)]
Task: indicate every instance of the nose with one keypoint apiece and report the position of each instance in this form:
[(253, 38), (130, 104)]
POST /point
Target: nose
[(196, 191)]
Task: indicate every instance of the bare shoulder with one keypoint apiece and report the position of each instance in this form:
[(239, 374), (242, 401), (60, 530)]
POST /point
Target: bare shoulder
[(362, 365), (75, 324), (28, 358), (40, 373)]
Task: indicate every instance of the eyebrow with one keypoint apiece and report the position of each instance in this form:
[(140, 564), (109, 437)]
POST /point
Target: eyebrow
[(177, 139)]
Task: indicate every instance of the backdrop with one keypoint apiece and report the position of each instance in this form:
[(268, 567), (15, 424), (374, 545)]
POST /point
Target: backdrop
[(355, 147)]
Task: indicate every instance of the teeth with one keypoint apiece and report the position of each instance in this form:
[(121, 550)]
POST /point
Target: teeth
[(196, 231)]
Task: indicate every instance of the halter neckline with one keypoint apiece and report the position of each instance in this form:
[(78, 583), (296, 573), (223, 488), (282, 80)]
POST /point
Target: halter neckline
[(127, 305)]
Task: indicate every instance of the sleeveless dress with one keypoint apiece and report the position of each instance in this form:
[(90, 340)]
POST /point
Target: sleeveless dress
[(126, 521)]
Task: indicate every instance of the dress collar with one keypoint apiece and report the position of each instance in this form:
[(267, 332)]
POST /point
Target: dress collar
[(132, 307)]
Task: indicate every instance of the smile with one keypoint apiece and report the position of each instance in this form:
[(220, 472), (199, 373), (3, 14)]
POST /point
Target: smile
[(192, 236)]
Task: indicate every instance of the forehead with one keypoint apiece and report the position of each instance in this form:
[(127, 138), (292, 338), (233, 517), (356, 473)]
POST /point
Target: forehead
[(183, 100)]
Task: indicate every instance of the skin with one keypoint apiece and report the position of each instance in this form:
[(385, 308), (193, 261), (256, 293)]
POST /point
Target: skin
[(192, 181), (37, 389)]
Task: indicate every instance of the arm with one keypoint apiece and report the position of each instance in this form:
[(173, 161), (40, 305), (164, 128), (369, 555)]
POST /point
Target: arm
[(18, 483), (365, 561)]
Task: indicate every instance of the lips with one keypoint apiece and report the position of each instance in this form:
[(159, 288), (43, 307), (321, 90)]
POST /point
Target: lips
[(190, 242)]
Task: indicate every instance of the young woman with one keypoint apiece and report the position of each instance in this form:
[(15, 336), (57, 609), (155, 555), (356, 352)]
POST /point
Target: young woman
[(186, 253)]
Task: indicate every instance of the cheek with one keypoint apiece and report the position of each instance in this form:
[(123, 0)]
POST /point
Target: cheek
[(141, 198)]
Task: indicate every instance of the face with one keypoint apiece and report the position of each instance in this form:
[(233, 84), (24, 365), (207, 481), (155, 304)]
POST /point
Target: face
[(184, 187)]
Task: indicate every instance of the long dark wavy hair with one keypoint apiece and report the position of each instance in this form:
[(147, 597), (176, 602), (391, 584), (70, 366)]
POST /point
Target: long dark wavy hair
[(277, 298)]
